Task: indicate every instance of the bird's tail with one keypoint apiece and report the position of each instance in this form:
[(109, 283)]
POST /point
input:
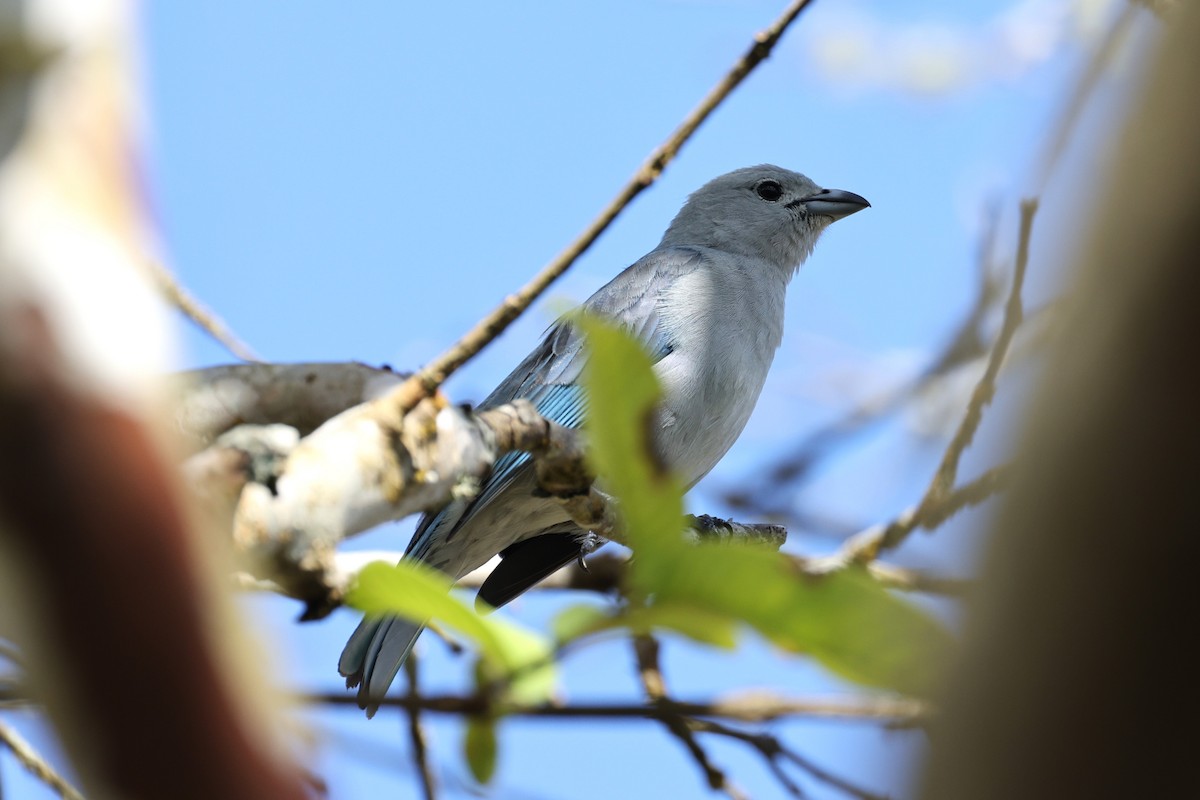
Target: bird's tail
[(376, 651)]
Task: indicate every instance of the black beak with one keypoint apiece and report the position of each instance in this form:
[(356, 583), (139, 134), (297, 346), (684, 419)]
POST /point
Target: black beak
[(835, 203)]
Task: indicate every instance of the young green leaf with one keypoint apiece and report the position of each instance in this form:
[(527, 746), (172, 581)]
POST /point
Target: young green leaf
[(622, 397), (480, 747), (696, 623), (845, 619), (420, 593)]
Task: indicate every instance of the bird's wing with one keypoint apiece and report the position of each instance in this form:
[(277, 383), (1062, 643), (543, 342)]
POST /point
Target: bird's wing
[(549, 377)]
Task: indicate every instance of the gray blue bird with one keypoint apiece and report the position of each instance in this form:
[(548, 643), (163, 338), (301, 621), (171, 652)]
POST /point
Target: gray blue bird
[(708, 304)]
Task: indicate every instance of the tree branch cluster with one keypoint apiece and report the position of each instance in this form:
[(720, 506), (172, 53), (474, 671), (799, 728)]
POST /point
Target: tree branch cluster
[(293, 459)]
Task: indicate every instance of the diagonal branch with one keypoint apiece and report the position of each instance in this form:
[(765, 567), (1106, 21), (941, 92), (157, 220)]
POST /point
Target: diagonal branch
[(1014, 312), (646, 650), (204, 319), (941, 499), (771, 749), (28, 757), (425, 382), (865, 547)]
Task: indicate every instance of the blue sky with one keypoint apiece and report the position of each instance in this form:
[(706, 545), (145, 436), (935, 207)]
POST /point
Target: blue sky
[(364, 180)]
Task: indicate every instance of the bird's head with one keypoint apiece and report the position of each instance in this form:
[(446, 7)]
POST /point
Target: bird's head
[(764, 211)]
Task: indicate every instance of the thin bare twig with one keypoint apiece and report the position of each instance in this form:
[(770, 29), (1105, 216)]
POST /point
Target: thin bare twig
[(425, 382), (941, 499), (37, 766), (416, 734), (1014, 313), (646, 650), (744, 708), (194, 310), (865, 547), (775, 485), (772, 750)]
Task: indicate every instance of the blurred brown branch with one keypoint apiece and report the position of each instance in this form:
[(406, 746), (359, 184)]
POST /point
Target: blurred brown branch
[(756, 707), (416, 733), (1073, 679)]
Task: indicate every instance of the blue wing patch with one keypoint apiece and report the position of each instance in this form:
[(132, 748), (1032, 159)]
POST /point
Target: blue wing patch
[(565, 405), (548, 377)]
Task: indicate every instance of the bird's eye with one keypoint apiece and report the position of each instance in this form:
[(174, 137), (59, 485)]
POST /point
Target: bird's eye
[(769, 190)]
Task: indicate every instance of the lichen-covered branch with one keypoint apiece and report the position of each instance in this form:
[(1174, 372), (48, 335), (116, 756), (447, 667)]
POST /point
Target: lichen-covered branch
[(291, 487), (360, 469), (209, 402)]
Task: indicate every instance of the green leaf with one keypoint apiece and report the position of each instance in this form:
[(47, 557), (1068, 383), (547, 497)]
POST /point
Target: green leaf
[(623, 393), (575, 622), (701, 624), (419, 593), (533, 675), (480, 747), (695, 623), (845, 620)]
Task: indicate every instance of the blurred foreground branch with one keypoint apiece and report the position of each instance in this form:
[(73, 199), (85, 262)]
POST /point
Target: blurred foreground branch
[(205, 319), (28, 758), (1073, 679)]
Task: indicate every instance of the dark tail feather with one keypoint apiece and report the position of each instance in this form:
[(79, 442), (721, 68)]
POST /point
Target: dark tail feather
[(525, 563)]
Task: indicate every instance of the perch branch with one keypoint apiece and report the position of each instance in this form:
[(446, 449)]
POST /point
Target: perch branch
[(292, 501)]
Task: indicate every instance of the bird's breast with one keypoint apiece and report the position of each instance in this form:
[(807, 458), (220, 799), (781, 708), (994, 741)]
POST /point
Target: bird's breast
[(724, 328)]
